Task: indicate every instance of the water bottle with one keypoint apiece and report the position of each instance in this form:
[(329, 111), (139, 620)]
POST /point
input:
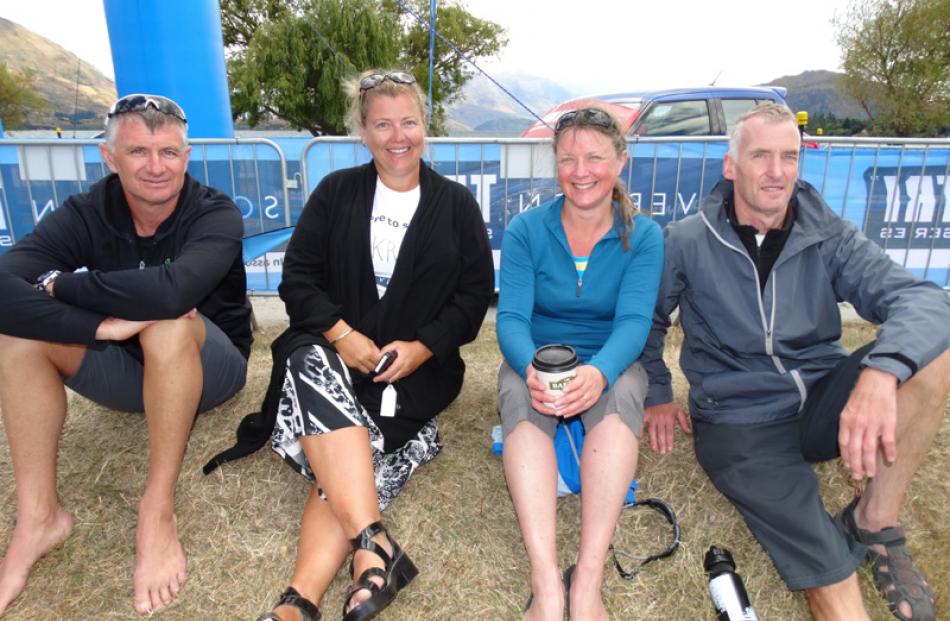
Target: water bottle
[(725, 587), (496, 442)]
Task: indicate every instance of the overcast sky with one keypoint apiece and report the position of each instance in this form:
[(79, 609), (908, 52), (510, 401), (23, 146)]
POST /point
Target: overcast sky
[(595, 46)]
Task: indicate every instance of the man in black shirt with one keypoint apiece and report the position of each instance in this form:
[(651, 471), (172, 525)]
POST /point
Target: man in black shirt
[(157, 320)]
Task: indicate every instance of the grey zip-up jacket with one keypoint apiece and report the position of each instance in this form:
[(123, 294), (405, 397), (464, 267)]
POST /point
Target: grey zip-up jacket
[(752, 356)]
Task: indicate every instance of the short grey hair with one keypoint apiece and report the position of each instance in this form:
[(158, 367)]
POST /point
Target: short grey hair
[(770, 111), (153, 120)]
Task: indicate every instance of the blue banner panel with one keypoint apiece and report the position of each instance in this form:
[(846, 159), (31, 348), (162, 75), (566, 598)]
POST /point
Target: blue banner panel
[(897, 195)]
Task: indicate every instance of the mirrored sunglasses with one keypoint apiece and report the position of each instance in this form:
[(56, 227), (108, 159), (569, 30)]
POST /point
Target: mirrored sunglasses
[(139, 102), (375, 79), (584, 116)]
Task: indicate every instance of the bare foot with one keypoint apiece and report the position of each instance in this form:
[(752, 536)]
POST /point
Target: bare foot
[(547, 597), (586, 603), (160, 563), (28, 543)]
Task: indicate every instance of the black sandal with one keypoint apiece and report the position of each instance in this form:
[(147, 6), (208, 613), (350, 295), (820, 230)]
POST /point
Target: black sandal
[(292, 597), (397, 572), (895, 575)]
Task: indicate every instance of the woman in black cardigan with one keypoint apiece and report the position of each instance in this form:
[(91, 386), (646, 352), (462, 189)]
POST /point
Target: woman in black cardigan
[(355, 291)]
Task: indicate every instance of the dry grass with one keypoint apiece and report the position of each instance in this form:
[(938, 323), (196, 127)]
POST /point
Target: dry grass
[(240, 525)]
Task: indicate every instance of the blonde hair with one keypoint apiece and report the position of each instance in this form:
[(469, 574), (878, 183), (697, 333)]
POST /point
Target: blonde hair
[(583, 119), (359, 101)]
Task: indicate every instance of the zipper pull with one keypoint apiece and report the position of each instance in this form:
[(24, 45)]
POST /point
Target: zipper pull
[(580, 283)]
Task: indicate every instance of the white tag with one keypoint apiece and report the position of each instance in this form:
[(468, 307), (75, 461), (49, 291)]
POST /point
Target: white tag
[(388, 406)]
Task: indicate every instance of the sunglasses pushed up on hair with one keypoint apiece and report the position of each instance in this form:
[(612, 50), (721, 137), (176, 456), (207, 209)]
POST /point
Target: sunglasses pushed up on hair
[(375, 79), (584, 116), (139, 102)]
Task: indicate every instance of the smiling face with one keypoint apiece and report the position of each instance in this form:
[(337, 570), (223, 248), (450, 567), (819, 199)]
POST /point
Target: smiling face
[(394, 132), (587, 168), (151, 164), (763, 168)]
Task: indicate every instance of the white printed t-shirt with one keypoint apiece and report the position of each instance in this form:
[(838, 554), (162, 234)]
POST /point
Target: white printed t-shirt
[(392, 212)]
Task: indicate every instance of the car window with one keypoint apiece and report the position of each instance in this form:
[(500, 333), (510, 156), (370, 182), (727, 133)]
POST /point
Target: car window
[(734, 108), (676, 118)]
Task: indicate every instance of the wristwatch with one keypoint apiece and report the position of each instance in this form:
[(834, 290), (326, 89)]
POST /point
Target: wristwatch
[(45, 280)]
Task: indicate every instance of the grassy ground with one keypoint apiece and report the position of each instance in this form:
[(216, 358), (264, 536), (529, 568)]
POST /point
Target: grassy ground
[(240, 525)]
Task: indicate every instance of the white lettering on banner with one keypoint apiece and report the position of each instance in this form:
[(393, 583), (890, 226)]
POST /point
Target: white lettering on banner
[(49, 207), (919, 232), (684, 207), (658, 206), (241, 201), (5, 240), (270, 211), (483, 185), (534, 201), (893, 206), (921, 192)]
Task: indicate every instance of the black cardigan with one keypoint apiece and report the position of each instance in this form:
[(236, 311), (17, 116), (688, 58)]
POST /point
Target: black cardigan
[(442, 284)]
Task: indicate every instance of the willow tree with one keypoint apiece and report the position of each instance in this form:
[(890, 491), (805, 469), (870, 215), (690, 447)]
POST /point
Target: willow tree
[(896, 60), (294, 64), (287, 58)]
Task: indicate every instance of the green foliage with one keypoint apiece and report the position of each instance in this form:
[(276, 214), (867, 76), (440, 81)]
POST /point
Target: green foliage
[(476, 38), (896, 58), (831, 125), (288, 58), (17, 98), (293, 65)]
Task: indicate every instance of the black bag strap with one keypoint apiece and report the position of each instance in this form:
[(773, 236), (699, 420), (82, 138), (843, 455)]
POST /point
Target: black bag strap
[(666, 511)]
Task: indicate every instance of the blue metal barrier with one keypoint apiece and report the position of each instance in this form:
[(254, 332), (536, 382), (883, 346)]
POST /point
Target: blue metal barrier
[(895, 190)]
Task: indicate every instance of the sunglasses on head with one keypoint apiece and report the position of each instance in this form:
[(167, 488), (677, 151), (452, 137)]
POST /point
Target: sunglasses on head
[(375, 79), (139, 102), (584, 116)]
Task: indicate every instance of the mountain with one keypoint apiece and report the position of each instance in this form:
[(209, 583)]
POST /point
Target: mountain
[(485, 108), (818, 93), (55, 78)]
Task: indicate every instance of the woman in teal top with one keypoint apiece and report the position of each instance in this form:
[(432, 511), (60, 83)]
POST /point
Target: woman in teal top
[(582, 270)]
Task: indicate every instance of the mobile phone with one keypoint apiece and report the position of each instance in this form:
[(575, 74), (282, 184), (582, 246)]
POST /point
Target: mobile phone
[(384, 362)]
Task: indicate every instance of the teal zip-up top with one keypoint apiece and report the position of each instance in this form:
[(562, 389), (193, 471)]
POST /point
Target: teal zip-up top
[(606, 316)]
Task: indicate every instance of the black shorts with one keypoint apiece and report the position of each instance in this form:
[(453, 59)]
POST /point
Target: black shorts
[(764, 470)]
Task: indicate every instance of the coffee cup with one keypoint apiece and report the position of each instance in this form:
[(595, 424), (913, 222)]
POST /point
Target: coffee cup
[(555, 365)]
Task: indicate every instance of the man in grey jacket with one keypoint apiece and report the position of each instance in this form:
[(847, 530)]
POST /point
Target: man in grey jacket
[(757, 276)]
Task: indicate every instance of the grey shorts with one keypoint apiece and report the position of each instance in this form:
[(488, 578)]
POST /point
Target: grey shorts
[(764, 470), (112, 377), (625, 398)]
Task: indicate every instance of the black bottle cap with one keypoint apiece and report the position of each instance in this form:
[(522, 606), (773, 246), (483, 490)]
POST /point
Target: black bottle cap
[(718, 560)]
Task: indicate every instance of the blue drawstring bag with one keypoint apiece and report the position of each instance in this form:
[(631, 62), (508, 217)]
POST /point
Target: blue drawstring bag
[(568, 445)]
